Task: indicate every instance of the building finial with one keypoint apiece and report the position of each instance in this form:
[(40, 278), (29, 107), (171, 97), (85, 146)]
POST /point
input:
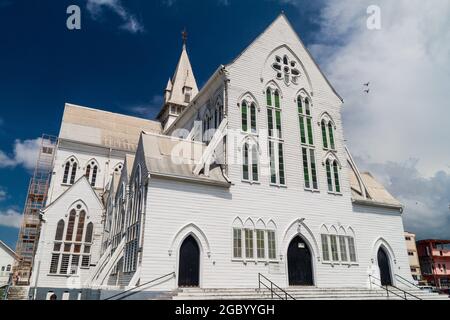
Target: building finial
[(184, 35)]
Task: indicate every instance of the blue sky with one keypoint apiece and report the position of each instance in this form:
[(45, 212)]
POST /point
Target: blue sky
[(126, 50)]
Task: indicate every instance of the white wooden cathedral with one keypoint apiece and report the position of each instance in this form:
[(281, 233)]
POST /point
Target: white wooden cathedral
[(249, 175)]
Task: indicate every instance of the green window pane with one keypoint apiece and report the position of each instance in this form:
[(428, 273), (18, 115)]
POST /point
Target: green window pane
[(245, 164), (302, 129), (278, 121), (336, 176), (329, 177), (260, 244), (352, 249), (249, 243), (310, 131), (244, 112), (269, 97), (343, 248), (253, 117), (324, 135), (334, 248), (306, 168), (277, 100), (313, 170), (307, 107), (330, 130), (273, 172), (237, 243), (272, 245), (281, 164), (270, 121), (325, 250), (300, 105), (255, 173)]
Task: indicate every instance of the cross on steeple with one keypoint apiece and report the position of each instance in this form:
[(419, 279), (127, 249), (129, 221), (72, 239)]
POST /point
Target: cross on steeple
[(184, 35)]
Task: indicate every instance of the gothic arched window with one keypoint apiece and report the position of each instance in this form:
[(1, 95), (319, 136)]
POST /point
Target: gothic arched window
[(307, 141), (71, 225), (323, 126), (80, 228), (91, 172), (89, 233), (59, 231), (70, 171), (333, 173), (276, 154), (331, 135), (248, 116)]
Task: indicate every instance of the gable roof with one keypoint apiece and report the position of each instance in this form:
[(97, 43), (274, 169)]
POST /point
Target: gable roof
[(8, 250), (282, 17), (84, 180), (103, 128), (367, 190), (164, 159)]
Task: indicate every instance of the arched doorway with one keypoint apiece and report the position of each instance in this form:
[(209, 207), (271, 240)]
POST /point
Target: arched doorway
[(385, 267), (189, 264), (300, 267)]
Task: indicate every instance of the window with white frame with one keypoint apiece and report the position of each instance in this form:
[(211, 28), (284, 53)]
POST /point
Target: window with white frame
[(72, 245), (133, 229), (333, 175), (249, 117), (260, 244), (307, 142), (237, 243), (250, 162), (338, 248), (276, 142), (327, 128), (249, 240), (91, 172), (250, 243), (70, 171)]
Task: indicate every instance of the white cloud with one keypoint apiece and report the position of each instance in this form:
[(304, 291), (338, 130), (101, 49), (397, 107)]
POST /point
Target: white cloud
[(426, 199), (25, 154), (405, 116), (10, 218), (408, 64), (130, 22)]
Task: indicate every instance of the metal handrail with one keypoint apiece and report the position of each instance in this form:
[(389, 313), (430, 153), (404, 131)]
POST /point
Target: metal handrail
[(409, 283), (271, 288), (129, 291), (8, 287), (405, 293)]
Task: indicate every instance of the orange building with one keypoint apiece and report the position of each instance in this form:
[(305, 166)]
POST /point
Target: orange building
[(434, 256)]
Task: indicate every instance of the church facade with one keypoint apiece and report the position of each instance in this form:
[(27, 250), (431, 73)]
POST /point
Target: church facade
[(249, 175)]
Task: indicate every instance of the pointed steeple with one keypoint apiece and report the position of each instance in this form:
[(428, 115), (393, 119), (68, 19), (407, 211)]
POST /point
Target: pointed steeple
[(184, 86), (180, 90)]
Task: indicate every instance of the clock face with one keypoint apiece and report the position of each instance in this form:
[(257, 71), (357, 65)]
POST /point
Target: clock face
[(286, 70)]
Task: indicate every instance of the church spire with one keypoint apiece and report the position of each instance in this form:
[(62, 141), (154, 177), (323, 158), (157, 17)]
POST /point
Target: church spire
[(181, 88)]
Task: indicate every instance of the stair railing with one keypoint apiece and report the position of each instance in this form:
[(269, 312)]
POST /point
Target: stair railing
[(131, 292), (273, 292), (403, 296), (7, 288), (408, 283)]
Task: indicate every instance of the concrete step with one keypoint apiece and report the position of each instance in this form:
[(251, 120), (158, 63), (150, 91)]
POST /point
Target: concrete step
[(18, 293), (307, 293)]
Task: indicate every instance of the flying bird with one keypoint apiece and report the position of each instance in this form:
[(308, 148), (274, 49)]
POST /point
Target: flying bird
[(367, 91), (367, 84)]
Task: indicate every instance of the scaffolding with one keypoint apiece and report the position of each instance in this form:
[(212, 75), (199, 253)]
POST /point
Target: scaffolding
[(36, 200)]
